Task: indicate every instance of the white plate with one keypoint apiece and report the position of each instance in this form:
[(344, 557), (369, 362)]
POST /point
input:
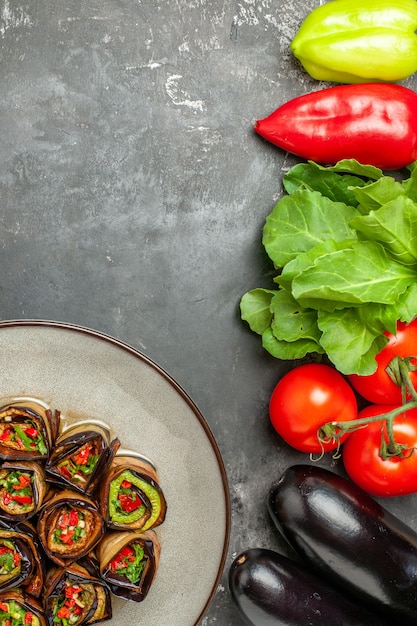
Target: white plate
[(86, 374)]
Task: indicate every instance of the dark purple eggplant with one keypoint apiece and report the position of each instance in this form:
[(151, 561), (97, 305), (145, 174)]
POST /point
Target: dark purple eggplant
[(349, 539), (270, 589)]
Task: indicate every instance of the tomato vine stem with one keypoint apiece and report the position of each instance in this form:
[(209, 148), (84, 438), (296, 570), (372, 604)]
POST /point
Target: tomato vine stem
[(334, 431), (399, 370)]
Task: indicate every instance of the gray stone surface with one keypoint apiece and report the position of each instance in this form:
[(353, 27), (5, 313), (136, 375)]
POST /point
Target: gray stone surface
[(133, 192)]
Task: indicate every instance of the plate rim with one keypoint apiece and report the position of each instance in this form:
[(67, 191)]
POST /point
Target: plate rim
[(97, 334)]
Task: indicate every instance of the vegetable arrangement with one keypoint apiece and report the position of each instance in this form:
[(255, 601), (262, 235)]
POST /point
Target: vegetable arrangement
[(343, 241), (323, 516), (352, 555), (343, 244), (313, 408), (59, 561)]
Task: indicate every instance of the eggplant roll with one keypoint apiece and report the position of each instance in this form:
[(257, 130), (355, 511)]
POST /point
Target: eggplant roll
[(129, 562), (22, 489), (80, 456), (20, 609), (73, 596), (22, 562), (69, 526), (28, 430), (130, 496)]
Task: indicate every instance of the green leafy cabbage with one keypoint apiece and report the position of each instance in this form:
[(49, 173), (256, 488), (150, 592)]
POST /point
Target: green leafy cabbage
[(343, 242)]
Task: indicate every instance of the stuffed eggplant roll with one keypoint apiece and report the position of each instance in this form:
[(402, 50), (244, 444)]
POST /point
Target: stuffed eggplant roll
[(20, 609), (22, 563), (80, 456), (74, 597), (28, 429), (22, 489), (129, 562), (130, 496), (69, 526)]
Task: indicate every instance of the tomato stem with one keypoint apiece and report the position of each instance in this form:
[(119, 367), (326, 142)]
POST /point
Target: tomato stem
[(334, 431), (398, 370)]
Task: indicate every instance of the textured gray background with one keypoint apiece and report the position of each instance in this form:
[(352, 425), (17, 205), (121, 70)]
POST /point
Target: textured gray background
[(133, 192)]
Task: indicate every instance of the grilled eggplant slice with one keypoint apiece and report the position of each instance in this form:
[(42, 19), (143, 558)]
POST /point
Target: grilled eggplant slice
[(129, 562), (69, 526), (28, 429), (20, 609), (22, 490), (80, 456), (22, 562), (75, 596), (130, 496)]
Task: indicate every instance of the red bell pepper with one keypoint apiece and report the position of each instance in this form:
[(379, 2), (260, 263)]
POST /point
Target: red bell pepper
[(22, 499), (123, 558), (83, 455), (73, 518), (64, 613), (24, 481), (129, 503), (6, 434), (32, 432), (67, 537), (374, 123)]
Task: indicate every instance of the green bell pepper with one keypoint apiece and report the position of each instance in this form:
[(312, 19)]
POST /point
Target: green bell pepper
[(357, 41), (127, 516)]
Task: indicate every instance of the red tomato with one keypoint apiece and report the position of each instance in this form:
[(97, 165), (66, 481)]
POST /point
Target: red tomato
[(379, 388), (305, 399), (394, 476)]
